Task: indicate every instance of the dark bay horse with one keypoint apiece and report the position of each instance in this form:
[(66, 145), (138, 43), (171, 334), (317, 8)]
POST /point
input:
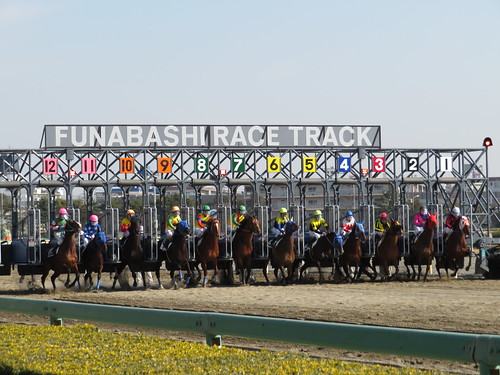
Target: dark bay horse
[(387, 251), (351, 257), (456, 249), (176, 255), (283, 254), (132, 254), (421, 249), (242, 246), (208, 249), (93, 258), (66, 258), (322, 254)]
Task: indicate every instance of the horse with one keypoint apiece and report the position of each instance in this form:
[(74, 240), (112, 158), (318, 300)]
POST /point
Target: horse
[(93, 258), (351, 257), (66, 258), (421, 249), (208, 249), (283, 254), (242, 246), (132, 254), (322, 253), (456, 249), (387, 251), (176, 255)]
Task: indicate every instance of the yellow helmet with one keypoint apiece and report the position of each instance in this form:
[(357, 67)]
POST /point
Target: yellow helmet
[(175, 209), (283, 210), (131, 212)]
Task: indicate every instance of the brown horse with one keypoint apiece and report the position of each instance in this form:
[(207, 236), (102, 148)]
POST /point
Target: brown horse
[(208, 249), (351, 257), (132, 254), (93, 259), (322, 254), (387, 251), (283, 254), (421, 249), (456, 249), (176, 255), (66, 258), (243, 246)]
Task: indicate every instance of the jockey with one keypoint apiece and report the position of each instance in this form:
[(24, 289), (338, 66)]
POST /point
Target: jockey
[(278, 228), (348, 223), (172, 221), (318, 226), (238, 216), (201, 220), (127, 220), (91, 229), (381, 225), (419, 220), (452, 222), (58, 226)]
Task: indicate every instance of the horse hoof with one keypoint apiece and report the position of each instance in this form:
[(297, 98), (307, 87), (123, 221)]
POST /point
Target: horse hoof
[(160, 287)]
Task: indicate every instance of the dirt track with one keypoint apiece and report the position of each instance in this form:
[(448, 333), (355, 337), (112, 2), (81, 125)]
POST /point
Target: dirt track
[(464, 305)]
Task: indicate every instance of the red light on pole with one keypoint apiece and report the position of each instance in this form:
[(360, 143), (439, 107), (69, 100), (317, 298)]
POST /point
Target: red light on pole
[(487, 142), (72, 173), (222, 172)]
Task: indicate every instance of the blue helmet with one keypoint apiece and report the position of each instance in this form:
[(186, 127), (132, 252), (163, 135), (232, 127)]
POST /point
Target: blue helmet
[(348, 213)]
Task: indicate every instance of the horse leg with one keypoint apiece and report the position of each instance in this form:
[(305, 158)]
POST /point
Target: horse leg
[(264, 272), (318, 264), (216, 270), (427, 269), (143, 274), (172, 278), (44, 276), (77, 277), (119, 270), (53, 278), (385, 267), (157, 273), (66, 284), (204, 266)]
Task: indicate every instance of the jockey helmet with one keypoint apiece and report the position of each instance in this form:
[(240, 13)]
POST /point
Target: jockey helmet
[(63, 211), (130, 212), (94, 218), (242, 208), (383, 215), (348, 213), (206, 208), (283, 210), (176, 209), (317, 213), (213, 213), (455, 211)]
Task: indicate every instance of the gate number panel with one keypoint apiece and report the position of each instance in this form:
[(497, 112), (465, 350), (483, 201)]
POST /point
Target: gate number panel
[(344, 164), (309, 164), (89, 165), (378, 164), (164, 165), (126, 165), (201, 165), (50, 166), (273, 164), (238, 165)]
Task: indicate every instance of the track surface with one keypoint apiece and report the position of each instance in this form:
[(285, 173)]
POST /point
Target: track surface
[(470, 304)]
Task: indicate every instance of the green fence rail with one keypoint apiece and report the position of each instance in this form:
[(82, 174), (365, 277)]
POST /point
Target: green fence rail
[(459, 347)]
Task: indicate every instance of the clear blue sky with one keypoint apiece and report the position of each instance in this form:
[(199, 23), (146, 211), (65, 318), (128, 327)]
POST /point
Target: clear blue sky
[(427, 71)]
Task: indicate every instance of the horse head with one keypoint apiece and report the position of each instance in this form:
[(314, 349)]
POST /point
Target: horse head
[(291, 227), (431, 222), (395, 228), (251, 223), (183, 228), (135, 225), (359, 232), (73, 226), (213, 226), (464, 225)]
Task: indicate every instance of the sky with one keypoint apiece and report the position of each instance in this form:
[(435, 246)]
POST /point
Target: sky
[(427, 72)]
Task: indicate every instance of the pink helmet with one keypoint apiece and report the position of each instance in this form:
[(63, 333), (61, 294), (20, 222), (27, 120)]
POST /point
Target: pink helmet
[(383, 215), (62, 211), (94, 218)]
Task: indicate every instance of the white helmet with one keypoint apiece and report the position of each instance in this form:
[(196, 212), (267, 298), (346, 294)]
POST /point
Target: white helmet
[(455, 211)]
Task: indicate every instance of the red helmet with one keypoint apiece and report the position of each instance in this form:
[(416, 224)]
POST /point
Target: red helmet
[(94, 218), (383, 215)]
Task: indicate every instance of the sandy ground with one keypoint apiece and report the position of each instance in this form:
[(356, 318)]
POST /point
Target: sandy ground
[(468, 304)]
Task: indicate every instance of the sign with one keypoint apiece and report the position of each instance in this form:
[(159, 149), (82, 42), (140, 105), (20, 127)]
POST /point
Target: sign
[(126, 165), (88, 165), (412, 164), (211, 136), (201, 165), (344, 164), (238, 165), (446, 164), (273, 164), (164, 165), (378, 164), (309, 164), (49, 166)]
